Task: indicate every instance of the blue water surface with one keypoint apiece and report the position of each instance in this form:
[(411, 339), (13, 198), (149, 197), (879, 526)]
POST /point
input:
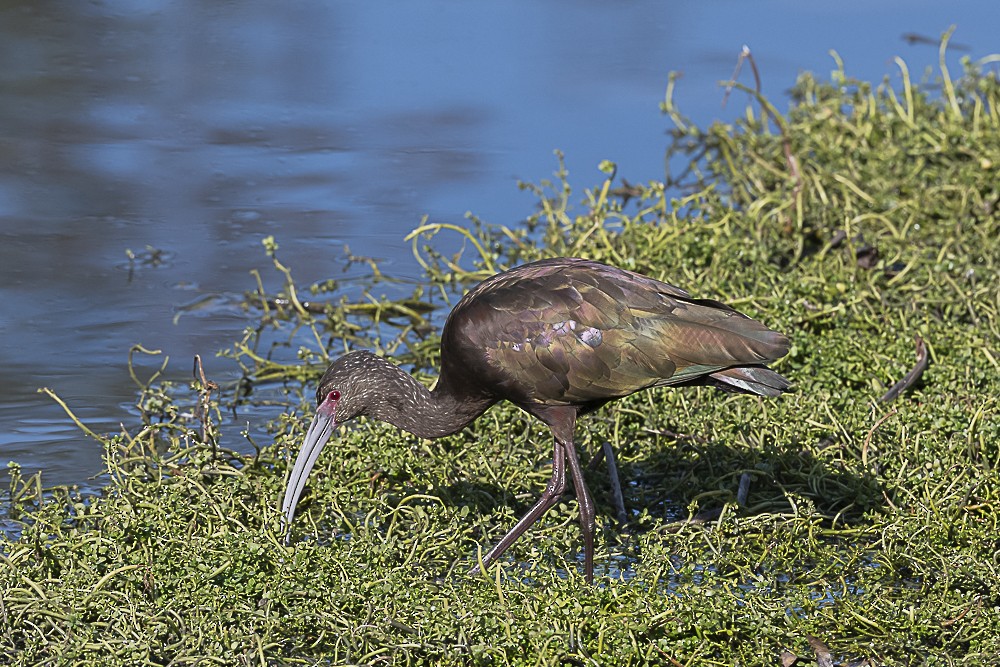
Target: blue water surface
[(185, 132)]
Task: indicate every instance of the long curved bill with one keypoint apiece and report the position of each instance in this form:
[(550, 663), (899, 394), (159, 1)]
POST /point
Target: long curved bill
[(316, 437)]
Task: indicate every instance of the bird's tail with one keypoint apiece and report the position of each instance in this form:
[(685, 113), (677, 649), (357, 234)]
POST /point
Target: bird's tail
[(751, 380)]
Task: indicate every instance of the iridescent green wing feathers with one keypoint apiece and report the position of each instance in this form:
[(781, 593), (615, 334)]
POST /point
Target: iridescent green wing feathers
[(576, 332)]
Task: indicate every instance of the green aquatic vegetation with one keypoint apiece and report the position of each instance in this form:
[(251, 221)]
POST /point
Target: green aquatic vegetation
[(868, 526)]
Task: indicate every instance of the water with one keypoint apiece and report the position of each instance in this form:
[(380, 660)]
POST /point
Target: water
[(187, 131)]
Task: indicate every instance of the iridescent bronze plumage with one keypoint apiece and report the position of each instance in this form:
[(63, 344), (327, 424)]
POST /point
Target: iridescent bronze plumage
[(558, 338)]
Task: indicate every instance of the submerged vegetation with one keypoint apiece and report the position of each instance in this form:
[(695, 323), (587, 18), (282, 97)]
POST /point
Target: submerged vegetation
[(860, 222)]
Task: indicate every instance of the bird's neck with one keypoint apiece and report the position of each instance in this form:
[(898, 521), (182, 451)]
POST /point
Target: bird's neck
[(407, 404)]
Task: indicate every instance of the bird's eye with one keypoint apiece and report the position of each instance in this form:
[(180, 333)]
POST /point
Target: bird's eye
[(333, 396)]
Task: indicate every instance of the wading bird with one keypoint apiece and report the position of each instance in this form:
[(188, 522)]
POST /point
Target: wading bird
[(558, 338)]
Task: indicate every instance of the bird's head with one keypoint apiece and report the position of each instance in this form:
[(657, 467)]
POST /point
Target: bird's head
[(341, 396), (343, 391)]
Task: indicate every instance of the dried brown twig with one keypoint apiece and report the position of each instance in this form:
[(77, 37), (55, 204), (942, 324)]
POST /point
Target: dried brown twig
[(205, 388), (786, 146), (910, 378)]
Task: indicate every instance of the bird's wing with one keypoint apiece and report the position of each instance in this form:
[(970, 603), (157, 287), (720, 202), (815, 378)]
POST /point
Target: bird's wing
[(577, 332)]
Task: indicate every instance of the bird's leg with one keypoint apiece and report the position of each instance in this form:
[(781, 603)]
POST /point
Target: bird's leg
[(586, 505), (553, 490)]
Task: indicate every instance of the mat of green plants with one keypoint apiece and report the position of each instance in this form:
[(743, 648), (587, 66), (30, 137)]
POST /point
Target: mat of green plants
[(862, 222)]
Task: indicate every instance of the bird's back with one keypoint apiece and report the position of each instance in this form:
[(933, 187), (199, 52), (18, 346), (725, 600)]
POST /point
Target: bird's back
[(575, 332)]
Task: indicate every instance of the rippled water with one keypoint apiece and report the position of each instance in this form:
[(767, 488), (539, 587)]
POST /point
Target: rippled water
[(185, 132)]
